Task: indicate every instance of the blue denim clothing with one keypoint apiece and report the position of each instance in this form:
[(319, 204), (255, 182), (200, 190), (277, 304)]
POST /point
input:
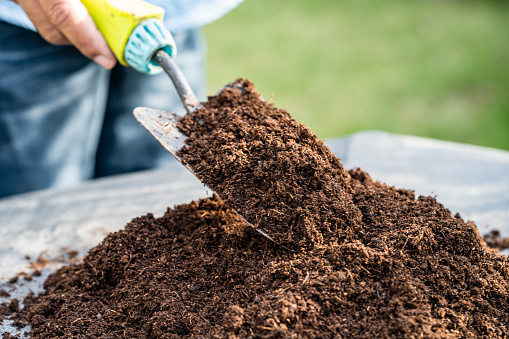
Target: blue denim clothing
[(180, 14), (64, 119)]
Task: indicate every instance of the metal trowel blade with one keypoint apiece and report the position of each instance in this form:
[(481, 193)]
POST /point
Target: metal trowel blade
[(163, 126)]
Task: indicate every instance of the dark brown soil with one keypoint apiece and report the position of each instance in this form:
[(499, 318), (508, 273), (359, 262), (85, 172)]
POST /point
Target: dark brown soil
[(366, 260), (272, 170), (495, 240)]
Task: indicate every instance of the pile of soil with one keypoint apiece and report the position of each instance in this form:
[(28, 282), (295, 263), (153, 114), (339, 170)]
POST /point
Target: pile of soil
[(495, 240), (353, 258)]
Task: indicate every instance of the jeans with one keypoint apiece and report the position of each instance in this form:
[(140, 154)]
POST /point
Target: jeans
[(65, 119)]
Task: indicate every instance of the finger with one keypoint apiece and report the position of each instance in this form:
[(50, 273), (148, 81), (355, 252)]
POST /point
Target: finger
[(73, 20), (46, 29)]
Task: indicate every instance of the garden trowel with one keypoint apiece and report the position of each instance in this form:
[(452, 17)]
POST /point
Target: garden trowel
[(137, 36)]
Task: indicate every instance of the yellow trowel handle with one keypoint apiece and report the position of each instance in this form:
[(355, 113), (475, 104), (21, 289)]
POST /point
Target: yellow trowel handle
[(116, 19)]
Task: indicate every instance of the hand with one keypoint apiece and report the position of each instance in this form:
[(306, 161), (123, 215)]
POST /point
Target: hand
[(67, 22)]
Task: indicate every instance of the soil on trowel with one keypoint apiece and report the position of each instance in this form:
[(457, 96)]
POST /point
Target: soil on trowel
[(269, 168), (356, 258)]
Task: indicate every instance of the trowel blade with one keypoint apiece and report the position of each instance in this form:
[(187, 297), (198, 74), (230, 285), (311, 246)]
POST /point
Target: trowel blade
[(163, 126)]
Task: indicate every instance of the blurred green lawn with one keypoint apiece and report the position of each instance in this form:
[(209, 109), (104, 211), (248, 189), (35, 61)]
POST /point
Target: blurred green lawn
[(437, 69)]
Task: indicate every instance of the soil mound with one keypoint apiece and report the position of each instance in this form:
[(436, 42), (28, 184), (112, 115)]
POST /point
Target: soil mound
[(360, 258)]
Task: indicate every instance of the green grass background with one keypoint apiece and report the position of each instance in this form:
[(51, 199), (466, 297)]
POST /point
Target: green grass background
[(430, 68)]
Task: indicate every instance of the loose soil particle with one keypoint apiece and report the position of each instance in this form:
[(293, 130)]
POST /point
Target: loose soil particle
[(366, 259)]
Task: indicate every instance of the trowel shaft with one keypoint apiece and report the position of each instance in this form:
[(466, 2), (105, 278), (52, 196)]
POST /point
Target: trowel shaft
[(177, 77)]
